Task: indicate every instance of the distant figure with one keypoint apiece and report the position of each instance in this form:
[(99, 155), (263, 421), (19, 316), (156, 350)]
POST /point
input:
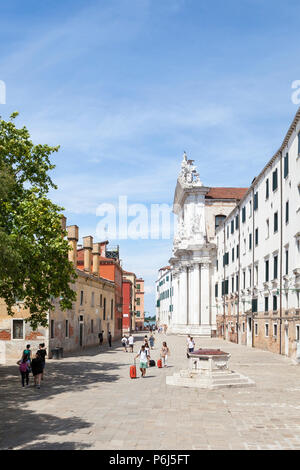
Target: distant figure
[(124, 343), (24, 368), (37, 370), (27, 351), (42, 352), (100, 336), (191, 345), (165, 329), (131, 342), (109, 338), (164, 354), (151, 341)]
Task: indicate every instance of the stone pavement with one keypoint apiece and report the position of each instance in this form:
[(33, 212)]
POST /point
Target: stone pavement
[(88, 401)]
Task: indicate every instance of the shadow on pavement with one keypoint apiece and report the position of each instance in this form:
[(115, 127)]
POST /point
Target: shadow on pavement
[(20, 426)]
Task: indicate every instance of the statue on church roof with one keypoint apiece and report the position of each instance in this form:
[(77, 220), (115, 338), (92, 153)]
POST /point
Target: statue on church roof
[(188, 175)]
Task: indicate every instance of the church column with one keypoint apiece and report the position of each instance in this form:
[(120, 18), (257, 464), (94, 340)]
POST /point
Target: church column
[(196, 296), (175, 297), (183, 299), (205, 294), (191, 309)]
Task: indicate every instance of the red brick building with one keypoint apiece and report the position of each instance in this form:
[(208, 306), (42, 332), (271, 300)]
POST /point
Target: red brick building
[(127, 306)]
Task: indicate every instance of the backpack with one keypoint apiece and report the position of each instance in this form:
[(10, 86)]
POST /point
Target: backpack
[(23, 367)]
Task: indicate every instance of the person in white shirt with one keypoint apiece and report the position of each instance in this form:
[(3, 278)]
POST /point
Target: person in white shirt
[(191, 345), (130, 342), (143, 360), (124, 343)]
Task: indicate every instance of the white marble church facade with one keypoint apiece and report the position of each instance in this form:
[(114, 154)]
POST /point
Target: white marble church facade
[(198, 209)]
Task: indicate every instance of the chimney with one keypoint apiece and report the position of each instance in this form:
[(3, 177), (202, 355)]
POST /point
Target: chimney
[(87, 247), (72, 232), (63, 224), (96, 255)]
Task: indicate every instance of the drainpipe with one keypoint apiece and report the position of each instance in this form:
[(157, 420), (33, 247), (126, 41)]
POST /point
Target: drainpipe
[(252, 273), (224, 267), (280, 259), (239, 268)]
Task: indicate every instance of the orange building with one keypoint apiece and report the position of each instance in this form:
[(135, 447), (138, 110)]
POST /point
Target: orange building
[(139, 295)]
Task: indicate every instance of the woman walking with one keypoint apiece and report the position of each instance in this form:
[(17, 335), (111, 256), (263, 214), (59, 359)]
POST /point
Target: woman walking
[(151, 341), (24, 368), (42, 352), (37, 370), (164, 353)]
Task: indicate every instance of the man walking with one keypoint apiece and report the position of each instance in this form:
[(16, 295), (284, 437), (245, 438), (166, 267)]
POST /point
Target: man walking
[(143, 360), (130, 342), (100, 336)]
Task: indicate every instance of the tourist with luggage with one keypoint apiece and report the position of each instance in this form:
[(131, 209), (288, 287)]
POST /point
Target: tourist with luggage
[(24, 368), (143, 360), (164, 353)]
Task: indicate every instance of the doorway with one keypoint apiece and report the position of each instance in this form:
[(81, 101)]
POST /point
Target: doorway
[(249, 331)]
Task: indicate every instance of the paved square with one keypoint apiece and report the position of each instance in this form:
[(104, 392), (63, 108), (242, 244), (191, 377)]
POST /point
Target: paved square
[(89, 402)]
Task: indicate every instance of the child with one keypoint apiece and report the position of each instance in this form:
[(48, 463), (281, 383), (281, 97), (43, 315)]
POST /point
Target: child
[(24, 368)]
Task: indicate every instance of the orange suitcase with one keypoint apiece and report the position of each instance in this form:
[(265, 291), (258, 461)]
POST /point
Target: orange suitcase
[(133, 372), (159, 363)]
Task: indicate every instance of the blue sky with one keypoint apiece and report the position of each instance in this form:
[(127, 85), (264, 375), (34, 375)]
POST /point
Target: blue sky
[(124, 86)]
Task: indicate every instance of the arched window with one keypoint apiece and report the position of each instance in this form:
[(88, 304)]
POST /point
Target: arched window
[(218, 220)]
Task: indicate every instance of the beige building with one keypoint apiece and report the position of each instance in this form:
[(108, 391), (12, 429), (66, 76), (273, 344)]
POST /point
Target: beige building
[(132, 278), (140, 311), (92, 312)]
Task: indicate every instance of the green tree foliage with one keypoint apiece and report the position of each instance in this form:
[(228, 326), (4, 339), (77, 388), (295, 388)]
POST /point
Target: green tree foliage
[(34, 265)]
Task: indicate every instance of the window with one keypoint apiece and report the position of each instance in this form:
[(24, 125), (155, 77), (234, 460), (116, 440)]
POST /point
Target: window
[(287, 212), (254, 305), (286, 262), (267, 270), (267, 189), (297, 332), (256, 329), (138, 287), (267, 228), (266, 304), (219, 220), (92, 326), (275, 330), (138, 301), (286, 165), (81, 297), (18, 329), (244, 279), (216, 289), (138, 313), (256, 236), (232, 284), (236, 222), (93, 300), (256, 201), (275, 180), (232, 226), (275, 272), (101, 301), (256, 275), (225, 259), (52, 329), (104, 308), (67, 329), (237, 282), (112, 309), (243, 326), (250, 277), (232, 254), (244, 214), (237, 251), (227, 231), (250, 241), (225, 287), (274, 303), (267, 329), (276, 222), (250, 209)]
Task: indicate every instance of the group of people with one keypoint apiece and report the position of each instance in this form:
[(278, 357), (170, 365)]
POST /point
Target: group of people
[(101, 337), (35, 364), (144, 354)]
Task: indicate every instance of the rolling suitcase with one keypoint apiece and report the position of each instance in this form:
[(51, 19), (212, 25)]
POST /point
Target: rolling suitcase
[(159, 363), (133, 371)]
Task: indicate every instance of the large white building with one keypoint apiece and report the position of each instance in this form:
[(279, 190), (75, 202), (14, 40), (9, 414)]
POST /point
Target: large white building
[(236, 255), (257, 272), (199, 211), (164, 296)]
